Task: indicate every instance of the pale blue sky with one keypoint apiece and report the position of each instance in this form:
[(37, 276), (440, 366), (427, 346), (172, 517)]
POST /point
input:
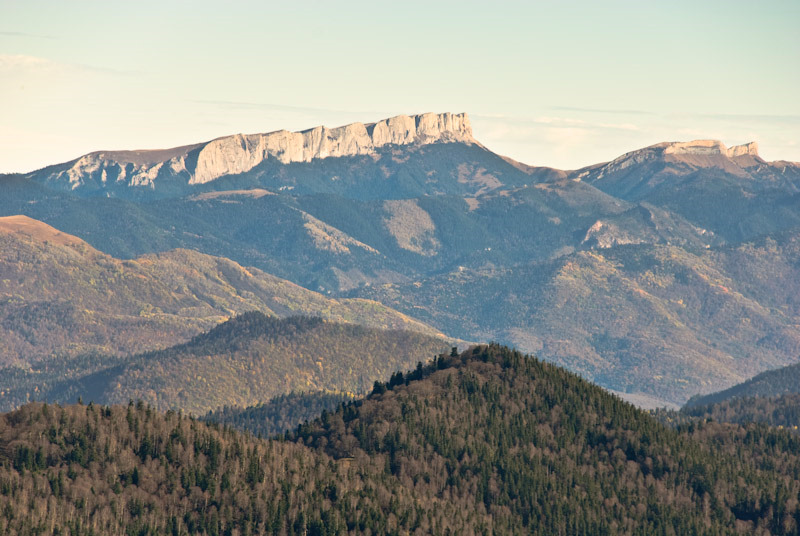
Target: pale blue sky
[(561, 84)]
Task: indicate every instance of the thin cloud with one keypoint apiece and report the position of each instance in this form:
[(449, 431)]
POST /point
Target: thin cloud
[(558, 122), (26, 34), (21, 61), (26, 63), (600, 110), (765, 118), (568, 122), (280, 107)]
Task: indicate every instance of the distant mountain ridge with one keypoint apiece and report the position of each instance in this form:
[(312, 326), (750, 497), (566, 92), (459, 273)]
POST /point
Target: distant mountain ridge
[(232, 155), (633, 272), (171, 171), (676, 151), (679, 159)]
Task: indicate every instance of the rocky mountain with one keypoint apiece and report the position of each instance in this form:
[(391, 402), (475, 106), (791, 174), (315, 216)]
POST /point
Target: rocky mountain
[(685, 158), (544, 452), (429, 221), (730, 191), (60, 298), (266, 158)]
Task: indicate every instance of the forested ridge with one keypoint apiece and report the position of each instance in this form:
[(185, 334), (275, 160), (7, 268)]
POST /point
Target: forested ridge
[(247, 360), (769, 384), (485, 442), (781, 411), (771, 398)]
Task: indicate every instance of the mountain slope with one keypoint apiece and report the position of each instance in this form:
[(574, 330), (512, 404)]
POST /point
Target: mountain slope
[(247, 360), (772, 383), (433, 225), (489, 442), (329, 243), (730, 191), (61, 297), (658, 320), (280, 414)]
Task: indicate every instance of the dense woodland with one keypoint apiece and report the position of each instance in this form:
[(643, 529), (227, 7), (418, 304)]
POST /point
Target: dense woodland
[(781, 411), (280, 414), (486, 442)]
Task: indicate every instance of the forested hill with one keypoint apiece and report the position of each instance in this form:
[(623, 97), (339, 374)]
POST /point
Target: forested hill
[(245, 361), (782, 411), (772, 398), (525, 439), (772, 383), (488, 442)]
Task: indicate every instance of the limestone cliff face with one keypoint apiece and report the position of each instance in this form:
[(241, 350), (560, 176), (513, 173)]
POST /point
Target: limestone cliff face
[(238, 154), (711, 147), (748, 149), (199, 164)]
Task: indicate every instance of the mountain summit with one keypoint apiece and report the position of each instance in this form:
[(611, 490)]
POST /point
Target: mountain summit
[(690, 155), (703, 180), (240, 153)]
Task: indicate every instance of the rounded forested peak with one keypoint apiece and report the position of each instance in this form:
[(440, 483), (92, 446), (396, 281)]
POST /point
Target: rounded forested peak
[(259, 324)]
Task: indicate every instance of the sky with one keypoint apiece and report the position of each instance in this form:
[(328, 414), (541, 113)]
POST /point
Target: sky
[(562, 84)]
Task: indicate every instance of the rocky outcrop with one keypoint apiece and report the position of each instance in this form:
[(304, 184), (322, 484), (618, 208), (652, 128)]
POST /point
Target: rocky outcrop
[(697, 153), (748, 149), (711, 147), (230, 155), (238, 154)]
